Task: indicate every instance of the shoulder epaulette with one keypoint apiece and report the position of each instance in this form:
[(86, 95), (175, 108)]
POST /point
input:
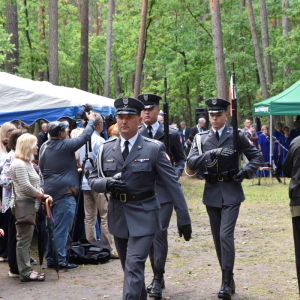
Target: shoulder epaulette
[(110, 140), (153, 141)]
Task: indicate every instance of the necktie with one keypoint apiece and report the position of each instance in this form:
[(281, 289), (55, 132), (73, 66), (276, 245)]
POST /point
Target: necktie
[(217, 135), (150, 131), (126, 150)]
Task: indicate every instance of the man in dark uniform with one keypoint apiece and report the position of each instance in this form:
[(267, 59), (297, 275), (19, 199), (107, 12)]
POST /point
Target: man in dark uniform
[(128, 168), (155, 130), (212, 155)]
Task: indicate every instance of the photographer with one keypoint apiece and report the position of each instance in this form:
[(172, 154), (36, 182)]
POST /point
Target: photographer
[(59, 178)]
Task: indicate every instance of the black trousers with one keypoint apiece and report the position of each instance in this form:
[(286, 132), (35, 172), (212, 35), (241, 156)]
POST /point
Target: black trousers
[(12, 243), (296, 232), (159, 248), (3, 239), (222, 222)]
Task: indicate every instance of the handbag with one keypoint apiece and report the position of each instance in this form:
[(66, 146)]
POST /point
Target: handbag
[(24, 211)]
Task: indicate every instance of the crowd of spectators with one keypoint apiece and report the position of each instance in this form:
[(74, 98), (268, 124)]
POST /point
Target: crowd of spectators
[(56, 177)]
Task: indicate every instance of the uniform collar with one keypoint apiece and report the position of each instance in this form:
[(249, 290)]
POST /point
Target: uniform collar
[(154, 126), (131, 141), (220, 130)]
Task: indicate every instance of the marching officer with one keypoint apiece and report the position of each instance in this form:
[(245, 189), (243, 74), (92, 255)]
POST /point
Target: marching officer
[(212, 155), (127, 168), (155, 130)]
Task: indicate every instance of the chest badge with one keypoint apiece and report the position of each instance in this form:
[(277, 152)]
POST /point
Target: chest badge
[(142, 160)]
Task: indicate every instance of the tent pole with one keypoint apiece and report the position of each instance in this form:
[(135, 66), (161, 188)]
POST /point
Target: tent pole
[(271, 141)]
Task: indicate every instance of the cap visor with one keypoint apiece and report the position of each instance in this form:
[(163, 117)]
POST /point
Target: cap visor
[(216, 111), (127, 112)]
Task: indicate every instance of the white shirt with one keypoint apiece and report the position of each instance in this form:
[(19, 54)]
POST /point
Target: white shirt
[(97, 140), (131, 142), (183, 131), (220, 130), (154, 128)]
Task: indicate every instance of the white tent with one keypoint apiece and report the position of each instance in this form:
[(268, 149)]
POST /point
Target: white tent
[(29, 101)]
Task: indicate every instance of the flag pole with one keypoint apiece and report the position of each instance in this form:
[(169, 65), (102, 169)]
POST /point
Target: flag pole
[(235, 124)]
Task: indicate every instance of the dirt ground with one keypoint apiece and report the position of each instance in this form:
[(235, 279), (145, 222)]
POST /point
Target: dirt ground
[(264, 266)]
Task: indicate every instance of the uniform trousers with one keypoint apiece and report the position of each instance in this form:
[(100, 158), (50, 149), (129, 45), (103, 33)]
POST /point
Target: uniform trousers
[(296, 232), (159, 248), (92, 201), (222, 222), (133, 253)]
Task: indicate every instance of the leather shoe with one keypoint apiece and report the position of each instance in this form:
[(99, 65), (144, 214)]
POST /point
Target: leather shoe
[(64, 265), (225, 292), (149, 287), (114, 255), (157, 287)]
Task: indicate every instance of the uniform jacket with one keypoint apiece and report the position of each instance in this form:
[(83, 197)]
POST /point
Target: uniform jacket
[(176, 154), (145, 161), (223, 193)]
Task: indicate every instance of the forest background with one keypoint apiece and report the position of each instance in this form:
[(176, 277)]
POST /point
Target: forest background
[(126, 47)]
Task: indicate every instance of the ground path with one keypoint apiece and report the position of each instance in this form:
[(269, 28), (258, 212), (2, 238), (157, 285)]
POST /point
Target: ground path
[(264, 269)]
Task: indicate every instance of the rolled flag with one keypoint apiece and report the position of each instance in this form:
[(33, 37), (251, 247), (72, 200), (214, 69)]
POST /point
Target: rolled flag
[(232, 94)]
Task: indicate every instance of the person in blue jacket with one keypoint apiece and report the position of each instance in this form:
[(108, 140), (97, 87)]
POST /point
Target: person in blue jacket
[(285, 141), (264, 147)]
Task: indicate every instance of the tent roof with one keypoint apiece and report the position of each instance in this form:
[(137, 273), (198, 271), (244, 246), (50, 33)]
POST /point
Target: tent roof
[(286, 103), (27, 100)]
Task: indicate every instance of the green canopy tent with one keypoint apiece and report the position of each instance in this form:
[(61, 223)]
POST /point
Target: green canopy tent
[(286, 103)]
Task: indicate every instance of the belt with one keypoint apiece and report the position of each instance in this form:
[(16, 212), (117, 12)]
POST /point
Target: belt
[(224, 176), (123, 197)]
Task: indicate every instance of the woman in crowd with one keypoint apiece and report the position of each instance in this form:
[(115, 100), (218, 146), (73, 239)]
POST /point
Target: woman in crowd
[(115, 133), (264, 146), (285, 141), (5, 132), (277, 134), (26, 186), (5, 182)]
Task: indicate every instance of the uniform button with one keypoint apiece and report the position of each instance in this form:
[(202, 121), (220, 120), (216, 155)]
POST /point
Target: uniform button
[(142, 168), (154, 205), (107, 168)]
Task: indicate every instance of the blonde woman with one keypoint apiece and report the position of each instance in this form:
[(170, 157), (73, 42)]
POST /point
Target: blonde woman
[(5, 131), (26, 185)]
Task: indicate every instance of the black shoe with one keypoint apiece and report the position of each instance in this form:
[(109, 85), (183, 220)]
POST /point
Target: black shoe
[(64, 265), (156, 291), (232, 284), (149, 287), (225, 292)]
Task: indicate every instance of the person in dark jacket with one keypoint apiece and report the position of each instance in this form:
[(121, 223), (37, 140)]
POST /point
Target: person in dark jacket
[(186, 141), (291, 169), (59, 178), (200, 127), (42, 136)]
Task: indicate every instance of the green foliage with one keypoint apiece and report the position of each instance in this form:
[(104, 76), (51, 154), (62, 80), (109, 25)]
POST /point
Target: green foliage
[(178, 45)]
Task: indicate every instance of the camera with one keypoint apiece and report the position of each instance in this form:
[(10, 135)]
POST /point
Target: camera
[(86, 108)]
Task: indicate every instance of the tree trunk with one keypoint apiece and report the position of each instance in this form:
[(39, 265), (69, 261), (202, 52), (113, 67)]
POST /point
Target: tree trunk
[(12, 28), (132, 80), (218, 49), (265, 41), (139, 63), (40, 74), (79, 10), (28, 39), (84, 57), (53, 42), (286, 27), (97, 21), (259, 63), (111, 9), (118, 87)]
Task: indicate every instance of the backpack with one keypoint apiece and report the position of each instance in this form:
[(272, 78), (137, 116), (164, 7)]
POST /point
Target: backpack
[(84, 252)]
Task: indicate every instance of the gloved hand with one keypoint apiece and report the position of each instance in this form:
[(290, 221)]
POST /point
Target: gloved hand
[(239, 177), (186, 231), (116, 186), (220, 152)]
